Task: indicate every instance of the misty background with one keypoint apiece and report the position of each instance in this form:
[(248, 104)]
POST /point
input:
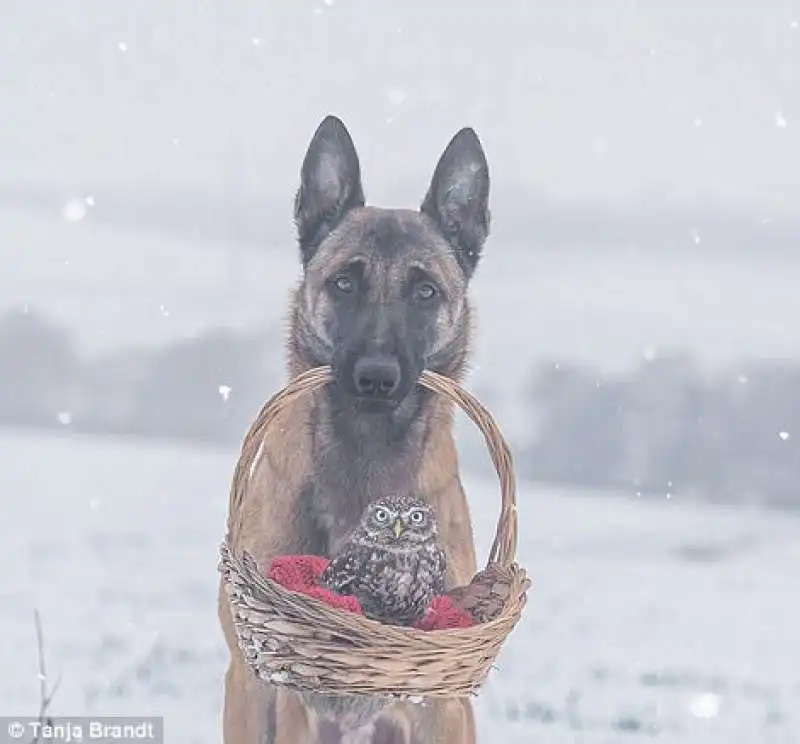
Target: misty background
[(637, 305)]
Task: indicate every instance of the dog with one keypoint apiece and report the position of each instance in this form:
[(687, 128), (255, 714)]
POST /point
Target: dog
[(383, 296)]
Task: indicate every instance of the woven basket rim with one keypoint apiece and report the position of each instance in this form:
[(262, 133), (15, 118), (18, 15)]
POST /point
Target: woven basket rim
[(504, 545)]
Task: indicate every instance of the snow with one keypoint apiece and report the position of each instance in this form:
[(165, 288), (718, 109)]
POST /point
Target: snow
[(665, 621), (75, 210), (396, 96), (706, 705)]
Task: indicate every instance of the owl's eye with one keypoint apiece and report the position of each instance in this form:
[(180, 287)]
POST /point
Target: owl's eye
[(381, 515), (417, 517)]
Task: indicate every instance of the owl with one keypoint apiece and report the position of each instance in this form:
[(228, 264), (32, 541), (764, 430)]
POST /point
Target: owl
[(391, 562)]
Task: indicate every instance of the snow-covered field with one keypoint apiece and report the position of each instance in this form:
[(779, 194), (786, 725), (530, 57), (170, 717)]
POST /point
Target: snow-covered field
[(665, 622)]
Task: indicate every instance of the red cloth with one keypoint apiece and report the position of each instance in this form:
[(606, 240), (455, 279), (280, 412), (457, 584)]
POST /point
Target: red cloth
[(443, 614), (301, 573)]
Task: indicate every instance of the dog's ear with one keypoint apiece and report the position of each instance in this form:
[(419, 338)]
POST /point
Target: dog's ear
[(330, 185), (458, 197)]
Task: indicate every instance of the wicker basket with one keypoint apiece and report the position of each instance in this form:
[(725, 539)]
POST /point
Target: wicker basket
[(291, 639)]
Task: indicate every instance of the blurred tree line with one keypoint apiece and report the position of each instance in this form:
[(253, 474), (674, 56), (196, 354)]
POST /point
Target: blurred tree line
[(668, 428), (207, 388), (665, 427)]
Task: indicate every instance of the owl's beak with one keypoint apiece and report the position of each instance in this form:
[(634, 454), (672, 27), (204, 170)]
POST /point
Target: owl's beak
[(398, 528)]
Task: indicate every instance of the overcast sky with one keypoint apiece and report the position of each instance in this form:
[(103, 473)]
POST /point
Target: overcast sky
[(578, 98)]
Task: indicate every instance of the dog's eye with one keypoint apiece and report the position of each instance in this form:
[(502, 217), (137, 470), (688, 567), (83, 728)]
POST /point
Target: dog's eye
[(425, 291), (343, 283)]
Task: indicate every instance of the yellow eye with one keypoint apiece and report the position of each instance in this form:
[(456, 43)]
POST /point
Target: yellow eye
[(417, 517)]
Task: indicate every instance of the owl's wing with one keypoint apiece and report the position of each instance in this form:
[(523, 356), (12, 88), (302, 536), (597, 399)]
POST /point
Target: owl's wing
[(440, 569), (342, 572)]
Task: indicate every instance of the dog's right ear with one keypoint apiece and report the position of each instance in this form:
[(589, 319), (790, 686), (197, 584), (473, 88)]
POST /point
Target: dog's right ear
[(330, 185)]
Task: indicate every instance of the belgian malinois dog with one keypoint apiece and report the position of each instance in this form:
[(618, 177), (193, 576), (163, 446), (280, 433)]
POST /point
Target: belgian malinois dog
[(383, 296)]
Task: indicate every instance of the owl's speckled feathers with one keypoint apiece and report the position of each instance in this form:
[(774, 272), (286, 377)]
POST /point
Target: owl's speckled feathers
[(391, 562)]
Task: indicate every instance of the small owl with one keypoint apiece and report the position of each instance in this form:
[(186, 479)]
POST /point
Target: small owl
[(391, 562)]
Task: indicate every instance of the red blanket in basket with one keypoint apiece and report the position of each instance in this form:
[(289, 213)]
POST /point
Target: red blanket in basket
[(300, 573)]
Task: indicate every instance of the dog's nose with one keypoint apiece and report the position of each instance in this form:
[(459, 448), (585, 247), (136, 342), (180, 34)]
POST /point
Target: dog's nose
[(376, 377)]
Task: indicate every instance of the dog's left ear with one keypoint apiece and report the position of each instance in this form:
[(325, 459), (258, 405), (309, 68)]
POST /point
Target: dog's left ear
[(330, 185), (458, 197)]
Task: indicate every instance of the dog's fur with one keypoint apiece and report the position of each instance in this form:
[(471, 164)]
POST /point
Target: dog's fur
[(329, 454)]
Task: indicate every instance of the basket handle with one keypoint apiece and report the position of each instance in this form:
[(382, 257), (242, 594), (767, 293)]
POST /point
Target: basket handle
[(504, 545)]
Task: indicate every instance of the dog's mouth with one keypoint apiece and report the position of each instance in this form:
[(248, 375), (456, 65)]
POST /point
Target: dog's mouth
[(373, 406)]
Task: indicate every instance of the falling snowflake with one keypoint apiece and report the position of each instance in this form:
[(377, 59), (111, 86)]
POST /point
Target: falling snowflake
[(396, 96), (649, 353), (89, 201), (784, 435), (328, 2), (74, 210), (695, 236), (122, 46), (741, 379), (176, 140), (780, 120), (256, 41), (698, 121), (794, 25), (163, 311), (64, 418), (225, 391), (705, 705)]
